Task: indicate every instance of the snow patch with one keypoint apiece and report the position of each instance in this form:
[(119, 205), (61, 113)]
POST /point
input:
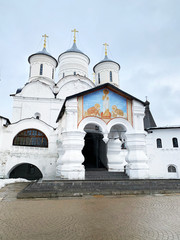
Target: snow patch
[(4, 182)]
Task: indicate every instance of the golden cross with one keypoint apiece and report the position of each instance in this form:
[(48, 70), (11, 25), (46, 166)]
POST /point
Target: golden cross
[(45, 36), (75, 31), (105, 44)]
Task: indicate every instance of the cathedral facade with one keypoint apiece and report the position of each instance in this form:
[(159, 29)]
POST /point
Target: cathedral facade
[(60, 130)]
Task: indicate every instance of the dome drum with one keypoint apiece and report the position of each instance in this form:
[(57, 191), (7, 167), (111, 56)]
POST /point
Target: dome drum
[(107, 71), (73, 63), (42, 64)]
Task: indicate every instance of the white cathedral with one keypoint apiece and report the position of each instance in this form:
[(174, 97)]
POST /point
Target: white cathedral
[(60, 130)]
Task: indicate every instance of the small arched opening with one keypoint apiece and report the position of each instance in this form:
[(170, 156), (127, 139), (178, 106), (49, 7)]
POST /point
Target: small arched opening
[(172, 169), (95, 149), (27, 171)]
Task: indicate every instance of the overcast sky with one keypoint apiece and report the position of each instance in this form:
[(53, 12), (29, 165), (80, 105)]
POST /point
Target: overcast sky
[(143, 37)]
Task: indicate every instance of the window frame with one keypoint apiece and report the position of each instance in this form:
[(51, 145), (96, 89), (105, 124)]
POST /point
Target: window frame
[(41, 69), (171, 169), (31, 137), (159, 143), (175, 142), (110, 75), (99, 78), (53, 73)]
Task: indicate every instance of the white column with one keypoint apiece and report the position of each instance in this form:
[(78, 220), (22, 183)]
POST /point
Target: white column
[(115, 156), (136, 158), (70, 164)]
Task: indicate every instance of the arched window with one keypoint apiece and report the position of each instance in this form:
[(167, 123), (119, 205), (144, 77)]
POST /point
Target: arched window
[(159, 143), (41, 69), (175, 142), (110, 76), (171, 168), (31, 138), (99, 80), (63, 75)]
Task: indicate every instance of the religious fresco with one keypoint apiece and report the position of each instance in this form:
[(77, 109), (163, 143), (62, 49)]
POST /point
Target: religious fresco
[(104, 104)]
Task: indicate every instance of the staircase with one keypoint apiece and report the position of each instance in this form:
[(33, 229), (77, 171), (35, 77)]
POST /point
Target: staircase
[(103, 174), (78, 188)]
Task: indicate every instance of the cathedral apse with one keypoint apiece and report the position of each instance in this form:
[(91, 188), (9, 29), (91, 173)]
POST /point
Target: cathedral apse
[(104, 104)]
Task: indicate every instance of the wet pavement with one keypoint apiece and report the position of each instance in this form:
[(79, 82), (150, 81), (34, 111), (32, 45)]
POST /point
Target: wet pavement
[(89, 218)]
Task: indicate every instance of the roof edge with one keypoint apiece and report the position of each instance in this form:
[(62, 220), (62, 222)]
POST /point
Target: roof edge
[(7, 119), (111, 61), (43, 54), (74, 52)]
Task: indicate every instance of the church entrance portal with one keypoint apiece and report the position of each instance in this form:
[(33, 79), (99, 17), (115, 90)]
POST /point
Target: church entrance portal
[(94, 151), (27, 171)]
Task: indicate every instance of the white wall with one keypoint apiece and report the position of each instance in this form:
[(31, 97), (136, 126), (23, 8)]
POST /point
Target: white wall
[(160, 158), (44, 158), (36, 97)]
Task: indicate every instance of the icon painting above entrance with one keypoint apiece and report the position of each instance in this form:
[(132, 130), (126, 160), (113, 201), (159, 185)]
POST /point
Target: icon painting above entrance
[(104, 104)]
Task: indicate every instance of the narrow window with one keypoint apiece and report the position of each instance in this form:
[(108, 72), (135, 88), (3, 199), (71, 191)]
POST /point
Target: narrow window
[(53, 73), (99, 78), (175, 142), (171, 168), (74, 73), (41, 69), (159, 143), (30, 71), (110, 76), (63, 75)]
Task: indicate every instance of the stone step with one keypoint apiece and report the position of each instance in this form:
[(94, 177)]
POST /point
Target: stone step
[(69, 188), (105, 175)]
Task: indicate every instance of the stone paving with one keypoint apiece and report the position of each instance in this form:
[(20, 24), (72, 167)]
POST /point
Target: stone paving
[(89, 218)]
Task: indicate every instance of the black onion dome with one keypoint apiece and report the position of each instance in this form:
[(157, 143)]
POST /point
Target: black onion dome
[(106, 59), (75, 50), (43, 52)]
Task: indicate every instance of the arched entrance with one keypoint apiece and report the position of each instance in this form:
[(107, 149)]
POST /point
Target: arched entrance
[(95, 150), (27, 171), (117, 148)]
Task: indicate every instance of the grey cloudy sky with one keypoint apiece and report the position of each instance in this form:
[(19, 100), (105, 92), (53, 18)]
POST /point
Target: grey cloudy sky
[(143, 37)]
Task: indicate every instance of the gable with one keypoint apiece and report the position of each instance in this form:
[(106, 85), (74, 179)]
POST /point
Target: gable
[(109, 86), (72, 87), (37, 89), (105, 104)]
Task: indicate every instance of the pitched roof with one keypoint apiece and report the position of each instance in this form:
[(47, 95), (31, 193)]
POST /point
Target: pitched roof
[(106, 85)]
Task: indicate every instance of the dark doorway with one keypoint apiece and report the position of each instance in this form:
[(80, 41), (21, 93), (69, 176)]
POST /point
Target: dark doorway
[(94, 152), (27, 171)]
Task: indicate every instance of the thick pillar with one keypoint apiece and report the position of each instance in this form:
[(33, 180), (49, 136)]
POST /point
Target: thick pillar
[(115, 156), (136, 158), (69, 164)]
